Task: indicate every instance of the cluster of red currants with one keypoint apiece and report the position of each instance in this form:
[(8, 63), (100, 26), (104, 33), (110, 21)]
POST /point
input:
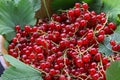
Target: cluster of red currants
[(65, 48)]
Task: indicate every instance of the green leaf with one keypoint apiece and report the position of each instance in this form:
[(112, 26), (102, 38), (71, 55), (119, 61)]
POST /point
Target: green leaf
[(13, 12), (0, 78), (112, 9), (115, 36), (118, 29), (9, 35), (105, 48), (20, 71), (6, 43), (119, 16), (113, 72), (36, 4)]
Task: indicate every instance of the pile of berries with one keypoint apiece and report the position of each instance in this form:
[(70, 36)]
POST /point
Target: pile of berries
[(65, 48)]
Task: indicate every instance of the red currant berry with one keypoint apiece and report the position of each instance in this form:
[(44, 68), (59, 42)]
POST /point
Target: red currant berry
[(85, 6)]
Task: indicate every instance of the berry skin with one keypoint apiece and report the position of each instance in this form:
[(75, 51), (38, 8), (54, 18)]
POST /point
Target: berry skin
[(85, 6), (95, 76), (86, 58), (14, 40), (112, 42), (79, 43), (52, 72), (112, 26), (62, 77), (77, 5), (93, 51), (85, 41), (52, 25), (27, 28), (32, 56), (48, 77), (40, 56), (79, 63), (98, 57), (101, 32), (115, 48), (100, 38), (92, 71), (77, 12), (104, 60), (83, 23), (90, 35), (14, 54), (17, 28), (71, 13), (86, 16)]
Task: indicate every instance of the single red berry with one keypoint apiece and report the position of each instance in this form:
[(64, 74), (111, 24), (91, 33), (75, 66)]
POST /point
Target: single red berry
[(99, 17), (77, 5), (86, 58), (85, 41), (101, 32), (27, 28), (38, 49), (27, 52), (99, 26), (79, 43), (85, 6), (14, 40), (71, 13), (14, 54), (90, 35), (83, 23), (115, 48), (48, 77), (58, 18), (34, 29), (40, 56), (95, 76), (112, 26), (92, 71), (32, 56), (52, 25), (100, 38), (103, 20), (27, 61), (87, 16), (107, 30), (79, 63), (77, 12), (59, 60), (56, 67), (17, 28), (62, 77), (52, 72), (98, 56), (93, 12), (93, 51), (47, 64), (105, 60), (106, 66), (112, 42), (93, 65)]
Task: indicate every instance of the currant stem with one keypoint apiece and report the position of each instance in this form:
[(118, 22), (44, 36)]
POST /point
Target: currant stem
[(44, 2)]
